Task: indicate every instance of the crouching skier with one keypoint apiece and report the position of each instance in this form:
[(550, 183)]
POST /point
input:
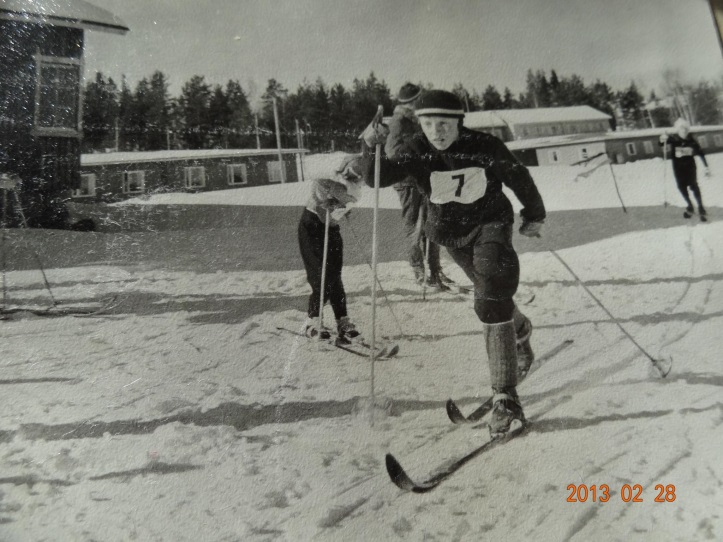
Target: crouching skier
[(462, 172), (333, 195)]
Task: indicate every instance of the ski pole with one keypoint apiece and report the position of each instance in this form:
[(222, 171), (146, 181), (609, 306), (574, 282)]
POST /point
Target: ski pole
[(323, 276), (615, 181), (656, 362), (377, 181), (665, 173)]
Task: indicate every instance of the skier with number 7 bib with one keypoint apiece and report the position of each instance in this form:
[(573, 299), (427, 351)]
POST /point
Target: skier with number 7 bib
[(462, 172)]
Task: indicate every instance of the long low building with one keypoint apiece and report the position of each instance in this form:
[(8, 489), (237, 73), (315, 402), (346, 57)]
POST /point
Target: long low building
[(517, 124), (621, 147), (116, 176)]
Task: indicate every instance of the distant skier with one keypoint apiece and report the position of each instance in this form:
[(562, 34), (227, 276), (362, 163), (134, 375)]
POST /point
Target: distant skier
[(683, 149), (334, 195), (462, 172), (403, 125)]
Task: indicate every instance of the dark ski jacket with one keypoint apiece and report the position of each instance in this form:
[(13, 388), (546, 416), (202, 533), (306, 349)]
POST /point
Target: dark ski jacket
[(462, 183), (683, 152)]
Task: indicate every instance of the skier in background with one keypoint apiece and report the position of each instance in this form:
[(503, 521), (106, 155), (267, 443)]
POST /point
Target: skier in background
[(403, 125), (334, 195), (683, 149), (461, 172)]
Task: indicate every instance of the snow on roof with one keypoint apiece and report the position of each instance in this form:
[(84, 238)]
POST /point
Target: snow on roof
[(502, 117), (70, 13), (167, 156), (579, 139), (483, 119)]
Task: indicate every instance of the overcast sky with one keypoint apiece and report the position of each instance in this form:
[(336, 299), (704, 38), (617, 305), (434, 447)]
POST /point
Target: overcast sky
[(475, 42)]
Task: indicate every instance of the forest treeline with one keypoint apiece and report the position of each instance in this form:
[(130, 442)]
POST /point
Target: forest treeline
[(323, 117)]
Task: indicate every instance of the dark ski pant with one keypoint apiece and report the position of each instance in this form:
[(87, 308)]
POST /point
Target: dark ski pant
[(686, 179), (492, 265), (311, 244), (414, 205)]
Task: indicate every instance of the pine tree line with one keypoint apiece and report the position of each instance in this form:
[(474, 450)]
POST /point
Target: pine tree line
[(323, 117)]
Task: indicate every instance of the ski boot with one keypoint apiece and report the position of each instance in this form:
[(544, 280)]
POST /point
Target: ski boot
[(689, 211), (418, 275), (505, 410), (525, 355), (703, 214), (312, 332), (346, 331), (435, 281), (444, 278)]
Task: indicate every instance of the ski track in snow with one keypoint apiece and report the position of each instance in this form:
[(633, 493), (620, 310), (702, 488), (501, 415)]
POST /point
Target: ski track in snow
[(184, 414)]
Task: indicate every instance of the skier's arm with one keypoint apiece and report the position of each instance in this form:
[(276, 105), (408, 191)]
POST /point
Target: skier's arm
[(699, 151), (391, 171), (518, 179)]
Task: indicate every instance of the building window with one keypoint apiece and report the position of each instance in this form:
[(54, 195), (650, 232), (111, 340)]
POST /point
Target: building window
[(57, 96), (236, 174), (584, 154), (718, 140), (630, 146), (554, 157), (194, 176), (554, 129), (703, 141), (87, 186), (275, 171), (134, 182), (524, 132), (648, 145)]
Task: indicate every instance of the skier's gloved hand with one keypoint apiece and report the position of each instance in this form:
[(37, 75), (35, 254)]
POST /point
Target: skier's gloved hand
[(375, 134), (664, 138), (350, 167), (531, 229), (332, 204)]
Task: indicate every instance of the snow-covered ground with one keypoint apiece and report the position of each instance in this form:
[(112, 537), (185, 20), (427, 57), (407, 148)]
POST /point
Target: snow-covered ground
[(185, 414)]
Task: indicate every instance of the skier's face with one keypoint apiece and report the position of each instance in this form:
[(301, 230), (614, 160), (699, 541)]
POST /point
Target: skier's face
[(440, 131), (683, 131)]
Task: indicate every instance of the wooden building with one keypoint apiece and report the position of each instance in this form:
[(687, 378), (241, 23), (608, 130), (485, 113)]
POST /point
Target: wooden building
[(121, 175), (41, 59), (620, 146), (516, 124)]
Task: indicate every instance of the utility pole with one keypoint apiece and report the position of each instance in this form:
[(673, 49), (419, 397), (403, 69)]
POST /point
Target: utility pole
[(256, 121), (278, 140)]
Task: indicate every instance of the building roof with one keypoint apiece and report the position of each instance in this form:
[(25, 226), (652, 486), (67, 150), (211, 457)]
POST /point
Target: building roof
[(168, 156), (505, 117), (69, 13), (581, 139)]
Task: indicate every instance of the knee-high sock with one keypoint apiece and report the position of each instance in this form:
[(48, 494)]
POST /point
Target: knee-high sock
[(501, 343)]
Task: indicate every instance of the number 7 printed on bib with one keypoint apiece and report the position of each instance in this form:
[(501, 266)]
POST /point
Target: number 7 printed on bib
[(460, 186)]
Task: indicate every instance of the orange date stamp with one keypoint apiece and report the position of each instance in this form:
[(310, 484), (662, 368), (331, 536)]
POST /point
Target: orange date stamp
[(628, 493)]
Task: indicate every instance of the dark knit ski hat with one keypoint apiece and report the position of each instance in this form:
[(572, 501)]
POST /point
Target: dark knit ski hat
[(439, 103), (408, 93)]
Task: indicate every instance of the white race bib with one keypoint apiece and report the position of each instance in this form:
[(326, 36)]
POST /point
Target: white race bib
[(683, 151), (460, 186)]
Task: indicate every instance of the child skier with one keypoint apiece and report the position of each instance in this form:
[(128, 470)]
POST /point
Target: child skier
[(683, 149), (332, 195), (461, 172)]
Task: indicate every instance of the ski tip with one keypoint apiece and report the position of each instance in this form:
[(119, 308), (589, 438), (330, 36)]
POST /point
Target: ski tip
[(397, 474), (454, 413), (393, 351)]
